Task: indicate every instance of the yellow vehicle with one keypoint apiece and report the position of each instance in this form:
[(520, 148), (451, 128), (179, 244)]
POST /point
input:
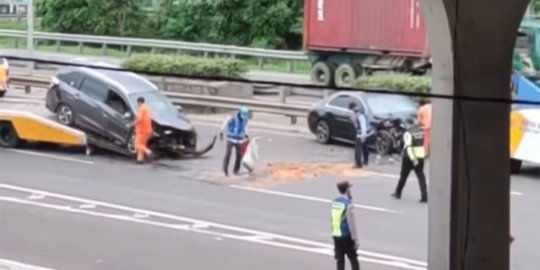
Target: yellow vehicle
[(19, 126), (4, 76)]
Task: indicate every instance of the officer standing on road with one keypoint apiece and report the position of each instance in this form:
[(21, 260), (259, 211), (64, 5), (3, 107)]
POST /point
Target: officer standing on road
[(236, 126), (361, 126), (413, 159), (344, 228), (143, 131)]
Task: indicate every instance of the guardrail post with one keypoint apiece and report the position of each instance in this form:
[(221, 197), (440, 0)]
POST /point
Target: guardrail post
[(205, 54), (290, 66), (128, 50), (261, 63), (283, 93), (81, 47), (57, 45), (163, 83), (326, 93), (104, 49), (16, 43), (294, 119), (27, 89)]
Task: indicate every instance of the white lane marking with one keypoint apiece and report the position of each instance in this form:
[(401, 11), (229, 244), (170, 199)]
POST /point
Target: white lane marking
[(396, 177), (36, 196), (291, 242), (52, 156), (20, 266), (311, 198)]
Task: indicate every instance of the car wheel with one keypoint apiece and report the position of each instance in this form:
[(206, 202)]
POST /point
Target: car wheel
[(64, 114), (8, 135), (383, 143), (130, 146), (323, 132)]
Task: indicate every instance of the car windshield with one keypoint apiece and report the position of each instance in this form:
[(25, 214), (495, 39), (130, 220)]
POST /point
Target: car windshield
[(385, 105), (158, 103)]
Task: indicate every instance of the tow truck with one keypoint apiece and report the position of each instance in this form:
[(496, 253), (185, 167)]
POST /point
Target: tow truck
[(524, 123)]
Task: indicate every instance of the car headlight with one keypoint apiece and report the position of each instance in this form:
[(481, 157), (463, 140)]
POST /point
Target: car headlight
[(167, 132)]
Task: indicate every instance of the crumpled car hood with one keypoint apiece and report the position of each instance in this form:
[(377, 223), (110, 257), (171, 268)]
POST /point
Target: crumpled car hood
[(175, 121)]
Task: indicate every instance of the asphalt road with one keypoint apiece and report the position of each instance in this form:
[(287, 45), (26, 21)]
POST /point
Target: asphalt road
[(63, 210)]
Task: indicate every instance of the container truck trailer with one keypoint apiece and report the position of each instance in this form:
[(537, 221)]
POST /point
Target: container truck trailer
[(349, 38)]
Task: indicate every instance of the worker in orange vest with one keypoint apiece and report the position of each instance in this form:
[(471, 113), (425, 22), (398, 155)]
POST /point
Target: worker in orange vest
[(424, 118), (143, 131)]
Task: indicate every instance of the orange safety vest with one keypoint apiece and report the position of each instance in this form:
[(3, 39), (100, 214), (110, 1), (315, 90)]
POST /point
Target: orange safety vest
[(143, 125)]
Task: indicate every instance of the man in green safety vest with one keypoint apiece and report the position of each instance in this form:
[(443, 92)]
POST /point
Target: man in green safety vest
[(344, 228), (413, 159)]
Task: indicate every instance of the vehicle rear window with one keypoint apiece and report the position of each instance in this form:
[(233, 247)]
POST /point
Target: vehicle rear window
[(72, 78), (94, 89)]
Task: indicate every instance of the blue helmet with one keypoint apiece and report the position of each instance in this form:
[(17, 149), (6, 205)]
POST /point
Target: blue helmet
[(244, 112)]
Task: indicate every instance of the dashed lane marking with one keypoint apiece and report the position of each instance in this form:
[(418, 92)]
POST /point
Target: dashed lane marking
[(62, 202), (311, 198)]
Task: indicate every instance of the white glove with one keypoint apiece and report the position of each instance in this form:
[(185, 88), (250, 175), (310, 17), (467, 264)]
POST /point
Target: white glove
[(415, 162)]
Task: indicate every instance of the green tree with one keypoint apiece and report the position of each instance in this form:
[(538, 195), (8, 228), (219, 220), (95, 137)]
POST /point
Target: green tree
[(261, 23), (100, 17)]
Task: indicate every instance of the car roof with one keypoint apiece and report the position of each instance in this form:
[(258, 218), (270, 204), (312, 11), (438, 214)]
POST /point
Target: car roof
[(124, 81), (359, 94)]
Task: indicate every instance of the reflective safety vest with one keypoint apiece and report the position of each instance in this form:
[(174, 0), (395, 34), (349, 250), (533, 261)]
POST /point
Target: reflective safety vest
[(417, 144), (236, 129), (340, 226)]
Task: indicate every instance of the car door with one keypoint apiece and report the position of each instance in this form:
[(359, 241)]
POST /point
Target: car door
[(341, 116), (66, 91), (118, 116), (88, 111)]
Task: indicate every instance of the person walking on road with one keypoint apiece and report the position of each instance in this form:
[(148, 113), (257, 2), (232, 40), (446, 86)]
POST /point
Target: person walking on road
[(143, 131), (236, 126), (361, 152), (424, 117), (344, 228), (412, 159)]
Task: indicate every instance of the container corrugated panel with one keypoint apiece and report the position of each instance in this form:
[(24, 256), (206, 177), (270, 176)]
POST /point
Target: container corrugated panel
[(326, 25), (395, 26)]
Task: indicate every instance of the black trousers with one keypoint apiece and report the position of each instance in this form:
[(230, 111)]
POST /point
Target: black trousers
[(344, 246), (406, 167), (361, 152), (228, 152)]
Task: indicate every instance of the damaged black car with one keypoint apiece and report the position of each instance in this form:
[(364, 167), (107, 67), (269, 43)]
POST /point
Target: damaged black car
[(103, 103)]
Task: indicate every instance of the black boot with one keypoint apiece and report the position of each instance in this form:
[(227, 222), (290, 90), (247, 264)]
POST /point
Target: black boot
[(396, 195), (424, 199)]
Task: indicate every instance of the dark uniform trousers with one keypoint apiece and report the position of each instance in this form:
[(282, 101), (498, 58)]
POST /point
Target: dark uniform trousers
[(344, 246), (361, 152), (406, 167), (228, 152)]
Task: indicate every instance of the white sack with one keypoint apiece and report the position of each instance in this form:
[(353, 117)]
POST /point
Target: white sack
[(252, 155)]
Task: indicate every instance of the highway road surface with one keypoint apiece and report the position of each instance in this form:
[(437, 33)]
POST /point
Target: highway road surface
[(63, 210)]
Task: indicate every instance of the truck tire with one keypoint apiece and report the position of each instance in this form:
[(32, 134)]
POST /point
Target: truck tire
[(345, 75), (2, 94), (515, 166), (8, 135), (322, 74)]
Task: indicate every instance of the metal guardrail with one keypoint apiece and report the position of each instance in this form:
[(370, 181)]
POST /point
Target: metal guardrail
[(129, 43), (185, 99)]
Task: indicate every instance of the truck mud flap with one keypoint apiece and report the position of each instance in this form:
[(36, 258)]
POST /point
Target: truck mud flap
[(202, 151)]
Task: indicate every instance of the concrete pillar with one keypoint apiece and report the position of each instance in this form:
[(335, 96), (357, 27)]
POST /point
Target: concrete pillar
[(471, 43)]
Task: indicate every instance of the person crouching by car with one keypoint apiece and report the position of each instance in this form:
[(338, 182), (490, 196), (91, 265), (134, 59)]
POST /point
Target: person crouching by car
[(236, 127), (363, 133), (143, 131)]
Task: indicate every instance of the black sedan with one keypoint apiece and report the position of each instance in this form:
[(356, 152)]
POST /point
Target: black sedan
[(331, 119)]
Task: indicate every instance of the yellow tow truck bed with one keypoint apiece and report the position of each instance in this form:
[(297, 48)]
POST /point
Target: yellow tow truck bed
[(17, 126)]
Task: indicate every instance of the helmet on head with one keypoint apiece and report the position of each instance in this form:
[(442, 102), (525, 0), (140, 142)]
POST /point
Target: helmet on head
[(244, 112)]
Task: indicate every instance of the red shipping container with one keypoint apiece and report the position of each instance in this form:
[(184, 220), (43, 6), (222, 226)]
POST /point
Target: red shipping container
[(366, 26)]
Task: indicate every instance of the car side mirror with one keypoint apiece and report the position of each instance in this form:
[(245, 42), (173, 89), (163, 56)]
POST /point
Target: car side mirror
[(127, 115)]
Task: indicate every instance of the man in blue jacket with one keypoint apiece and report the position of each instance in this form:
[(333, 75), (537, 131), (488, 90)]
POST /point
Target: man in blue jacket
[(344, 228), (236, 127)]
